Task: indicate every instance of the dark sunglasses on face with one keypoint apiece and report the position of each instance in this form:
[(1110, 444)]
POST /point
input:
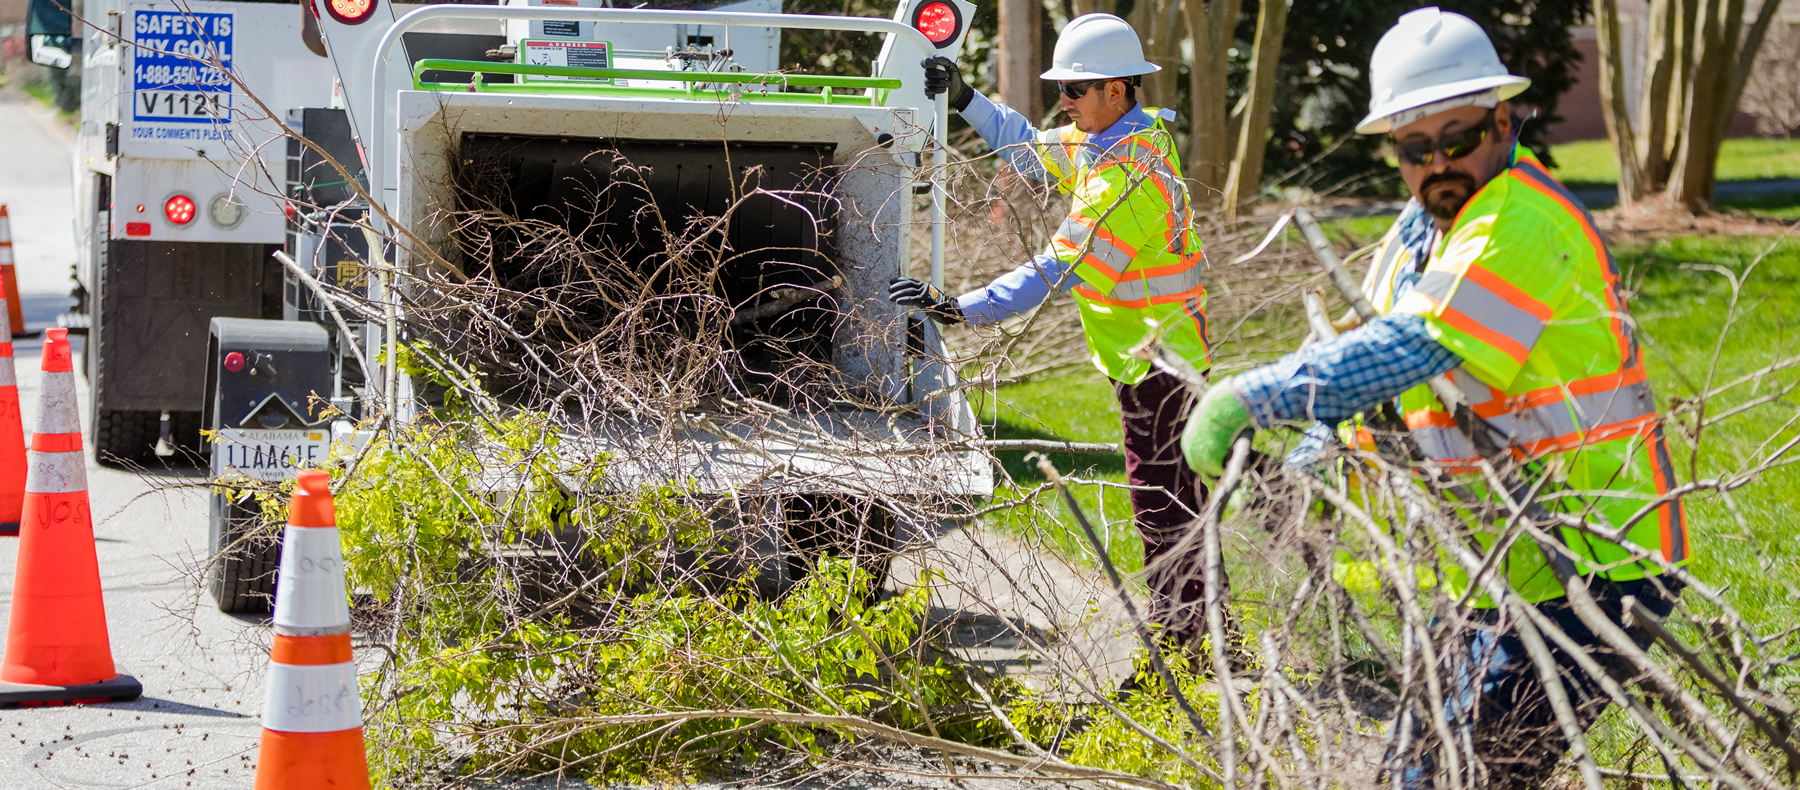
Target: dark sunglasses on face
[(1455, 145), (1076, 90)]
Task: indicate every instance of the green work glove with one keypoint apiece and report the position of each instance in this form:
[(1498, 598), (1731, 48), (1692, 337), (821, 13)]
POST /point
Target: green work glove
[(1215, 424)]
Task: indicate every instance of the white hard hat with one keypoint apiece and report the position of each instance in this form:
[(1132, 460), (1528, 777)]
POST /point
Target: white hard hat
[(1098, 46), (1427, 59)]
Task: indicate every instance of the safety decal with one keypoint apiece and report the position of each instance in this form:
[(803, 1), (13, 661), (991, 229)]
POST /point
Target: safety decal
[(179, 73)]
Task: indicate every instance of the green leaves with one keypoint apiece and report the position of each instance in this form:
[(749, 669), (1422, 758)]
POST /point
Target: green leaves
[(449, 531)]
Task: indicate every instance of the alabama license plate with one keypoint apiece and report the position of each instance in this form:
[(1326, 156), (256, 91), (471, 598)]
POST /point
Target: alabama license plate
[(269, 455)]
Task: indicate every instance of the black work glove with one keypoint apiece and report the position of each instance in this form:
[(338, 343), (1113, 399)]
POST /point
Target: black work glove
[(943, 76), (910, 292)]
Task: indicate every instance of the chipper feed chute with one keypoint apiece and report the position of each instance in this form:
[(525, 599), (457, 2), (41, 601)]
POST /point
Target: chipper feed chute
[(766, 212)]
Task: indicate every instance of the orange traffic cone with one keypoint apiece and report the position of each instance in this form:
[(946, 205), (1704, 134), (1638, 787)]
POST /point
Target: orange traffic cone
[(12, 433), (312, 716), (14, 313), (57, 651)]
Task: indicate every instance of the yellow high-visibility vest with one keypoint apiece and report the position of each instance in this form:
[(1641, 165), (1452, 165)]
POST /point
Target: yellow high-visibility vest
[(1524, 290), (1130, 238)]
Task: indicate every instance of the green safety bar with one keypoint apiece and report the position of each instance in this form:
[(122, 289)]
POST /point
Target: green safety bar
[(692, 78)]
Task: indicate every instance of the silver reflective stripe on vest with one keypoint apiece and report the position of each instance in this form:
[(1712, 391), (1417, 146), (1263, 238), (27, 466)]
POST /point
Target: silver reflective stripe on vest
[(1590, 413), (56, 473), (1053, 148), (1444, 444), (1163, 285), (1381, 275), (1073, 234), (1582, 412), (1477, 302)]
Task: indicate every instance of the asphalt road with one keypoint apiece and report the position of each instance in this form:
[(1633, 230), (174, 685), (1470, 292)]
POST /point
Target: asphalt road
[(202, 671)]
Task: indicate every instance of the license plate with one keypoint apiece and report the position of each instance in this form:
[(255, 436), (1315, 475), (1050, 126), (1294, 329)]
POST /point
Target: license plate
[(269, 455)]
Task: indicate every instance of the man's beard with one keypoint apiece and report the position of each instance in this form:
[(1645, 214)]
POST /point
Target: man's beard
[(1445, 205)]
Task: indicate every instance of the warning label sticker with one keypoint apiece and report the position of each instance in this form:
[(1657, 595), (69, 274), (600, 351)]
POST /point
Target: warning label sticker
[(583, 54), (178, 73)]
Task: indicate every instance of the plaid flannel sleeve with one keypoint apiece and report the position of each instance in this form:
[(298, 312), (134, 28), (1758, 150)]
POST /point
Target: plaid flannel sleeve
[(1333, 381)]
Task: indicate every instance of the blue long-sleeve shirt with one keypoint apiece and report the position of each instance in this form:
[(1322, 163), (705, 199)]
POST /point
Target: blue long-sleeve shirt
[(1011, 135), (1335, 380)]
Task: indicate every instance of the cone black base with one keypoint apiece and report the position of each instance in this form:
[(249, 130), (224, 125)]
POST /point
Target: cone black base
[(9, 529), (123, 688)]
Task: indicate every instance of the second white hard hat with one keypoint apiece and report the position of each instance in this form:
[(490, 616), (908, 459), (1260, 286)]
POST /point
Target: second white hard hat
[(1427, 58), (1098, 46)]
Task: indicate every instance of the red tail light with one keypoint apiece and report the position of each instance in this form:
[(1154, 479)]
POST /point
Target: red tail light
[(179, 209), (939, 21), (350, 12)]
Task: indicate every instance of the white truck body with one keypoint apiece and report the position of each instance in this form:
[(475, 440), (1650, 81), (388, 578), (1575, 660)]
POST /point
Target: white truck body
[(159, 123)]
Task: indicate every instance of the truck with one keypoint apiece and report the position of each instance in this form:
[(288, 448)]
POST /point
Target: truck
[(178, 190)]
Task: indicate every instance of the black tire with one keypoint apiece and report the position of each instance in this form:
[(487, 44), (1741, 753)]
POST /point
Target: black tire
[(184, 433), (245, 559), (125, 438)]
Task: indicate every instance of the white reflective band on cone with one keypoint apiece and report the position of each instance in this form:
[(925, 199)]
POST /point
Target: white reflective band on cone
[(60, 413), (309, 593), (56, 473), (312, 698), (7, 377)]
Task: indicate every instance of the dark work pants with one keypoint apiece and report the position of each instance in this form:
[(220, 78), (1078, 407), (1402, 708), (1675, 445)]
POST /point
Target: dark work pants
[(1511, 725), (1155, 411)]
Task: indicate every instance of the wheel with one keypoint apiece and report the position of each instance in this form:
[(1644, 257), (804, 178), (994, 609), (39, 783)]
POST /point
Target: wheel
[(124, 438), (244, 559), (184, 434)]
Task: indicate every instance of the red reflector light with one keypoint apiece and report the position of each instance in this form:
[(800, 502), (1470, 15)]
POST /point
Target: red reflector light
[(137, 228), (938, 21), (234, 361), (179, 209), (350, 12)]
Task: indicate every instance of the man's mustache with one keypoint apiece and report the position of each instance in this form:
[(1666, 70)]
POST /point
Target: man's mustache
[(1447, 177)]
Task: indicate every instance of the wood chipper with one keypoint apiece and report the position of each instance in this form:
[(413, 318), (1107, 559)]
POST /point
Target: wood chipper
[(614, 125)]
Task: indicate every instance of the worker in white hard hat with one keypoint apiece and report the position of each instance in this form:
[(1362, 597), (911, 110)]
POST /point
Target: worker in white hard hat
[(1495, 275), (1129, 253)]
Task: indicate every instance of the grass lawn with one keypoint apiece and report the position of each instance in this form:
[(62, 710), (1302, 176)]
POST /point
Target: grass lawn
[(1076, 407), (1682, 303), (1682, 306), (1590, 163), (1776, 206)]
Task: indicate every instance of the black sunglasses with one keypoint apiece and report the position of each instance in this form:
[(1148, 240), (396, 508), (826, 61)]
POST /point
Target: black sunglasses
[(1076, 90), (1455, 145)]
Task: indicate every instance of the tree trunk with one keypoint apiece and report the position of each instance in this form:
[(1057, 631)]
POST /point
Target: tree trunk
[(1245, 182), (1613, 106), (1747, 52), (1158, 24), (1091, 6), (1715, 54), (1653, 103), (1687, 25), (1019, 24), (1210, 26)]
